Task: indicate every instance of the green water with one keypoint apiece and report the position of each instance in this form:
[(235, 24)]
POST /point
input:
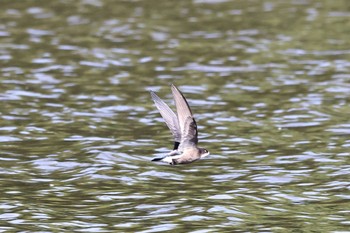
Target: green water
[(269, 85)]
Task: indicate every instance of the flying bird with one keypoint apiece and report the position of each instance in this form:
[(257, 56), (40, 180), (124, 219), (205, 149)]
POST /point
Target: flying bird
[(183, 128)]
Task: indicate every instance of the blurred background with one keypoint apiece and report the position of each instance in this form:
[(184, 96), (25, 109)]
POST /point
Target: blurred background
[(269, 85)]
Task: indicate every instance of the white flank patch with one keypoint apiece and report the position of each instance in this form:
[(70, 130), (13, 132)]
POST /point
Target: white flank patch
[(169, 159)]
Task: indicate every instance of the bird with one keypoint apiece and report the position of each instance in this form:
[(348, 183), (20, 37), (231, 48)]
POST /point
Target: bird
[(183, 127)]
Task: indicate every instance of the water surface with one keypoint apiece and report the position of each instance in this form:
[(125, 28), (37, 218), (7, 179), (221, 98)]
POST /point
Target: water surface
[(268, 83)]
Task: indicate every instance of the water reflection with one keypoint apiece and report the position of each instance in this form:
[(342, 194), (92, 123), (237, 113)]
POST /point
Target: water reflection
[(268, 82)]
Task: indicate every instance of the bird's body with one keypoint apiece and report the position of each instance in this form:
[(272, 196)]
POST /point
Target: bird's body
[(183, 128)]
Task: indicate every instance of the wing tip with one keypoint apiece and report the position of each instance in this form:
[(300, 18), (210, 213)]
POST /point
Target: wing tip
[(173, 86), (154, 96)]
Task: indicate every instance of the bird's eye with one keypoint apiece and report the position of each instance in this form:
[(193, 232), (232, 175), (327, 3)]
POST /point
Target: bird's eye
[(206, 151)]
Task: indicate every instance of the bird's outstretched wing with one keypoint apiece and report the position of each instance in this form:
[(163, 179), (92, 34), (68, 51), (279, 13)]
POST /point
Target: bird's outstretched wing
[(169, 117), (186, 120)]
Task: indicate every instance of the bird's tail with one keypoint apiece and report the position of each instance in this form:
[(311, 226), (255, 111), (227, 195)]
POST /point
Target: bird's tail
[(157, 159)]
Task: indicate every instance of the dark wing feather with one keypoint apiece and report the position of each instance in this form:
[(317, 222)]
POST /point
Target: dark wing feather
[(190, 134), (187, 122)]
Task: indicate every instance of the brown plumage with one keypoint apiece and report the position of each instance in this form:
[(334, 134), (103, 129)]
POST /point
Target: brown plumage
[(183, 128)]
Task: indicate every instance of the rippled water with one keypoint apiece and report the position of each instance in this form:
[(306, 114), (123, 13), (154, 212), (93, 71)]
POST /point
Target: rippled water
[(268, 82)]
